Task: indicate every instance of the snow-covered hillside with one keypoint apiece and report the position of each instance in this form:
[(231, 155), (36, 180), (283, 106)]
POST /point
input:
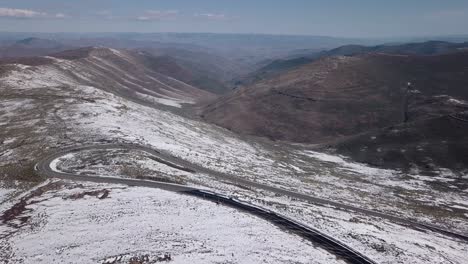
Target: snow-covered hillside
[(75, 102), (73, 225), (120, 72)]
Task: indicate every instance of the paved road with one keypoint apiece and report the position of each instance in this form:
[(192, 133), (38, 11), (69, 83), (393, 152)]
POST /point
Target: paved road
[(178, 163), (324, 241)]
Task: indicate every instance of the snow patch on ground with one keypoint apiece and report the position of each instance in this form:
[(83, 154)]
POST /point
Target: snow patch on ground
[(160, 100), (6, 194), (54, 164), (352, 166), (457, 102)]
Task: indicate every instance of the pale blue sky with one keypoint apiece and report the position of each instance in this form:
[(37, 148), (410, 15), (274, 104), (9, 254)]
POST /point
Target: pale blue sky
[(346, 18)]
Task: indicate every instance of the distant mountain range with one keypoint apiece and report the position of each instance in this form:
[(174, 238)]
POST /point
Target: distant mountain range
[(423, 48), (192, 64), (216, 41), (32, 47), (299, 58)]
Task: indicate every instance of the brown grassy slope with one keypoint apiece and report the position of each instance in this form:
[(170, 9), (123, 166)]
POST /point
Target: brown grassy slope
[(427, 145), (337, 96)]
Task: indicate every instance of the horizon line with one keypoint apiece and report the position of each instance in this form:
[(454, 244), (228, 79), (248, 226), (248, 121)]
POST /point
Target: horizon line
[(241, 33)]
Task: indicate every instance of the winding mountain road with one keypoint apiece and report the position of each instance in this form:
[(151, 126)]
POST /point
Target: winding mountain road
[(43, 168)]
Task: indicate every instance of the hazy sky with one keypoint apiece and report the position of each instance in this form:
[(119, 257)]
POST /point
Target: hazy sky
[(348, 18)]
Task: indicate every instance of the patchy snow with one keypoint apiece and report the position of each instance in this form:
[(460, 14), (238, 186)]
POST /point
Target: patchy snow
[(352, 166), (407, 195), (37, 77), (55, 162), (196, 141), (111, 118), (457, 102), (160, 100), (459, 207), (383, 241), (6, 193), (97, 69), (9, 140), (119, 163), (379, 239), (8, 108), (143, 221)]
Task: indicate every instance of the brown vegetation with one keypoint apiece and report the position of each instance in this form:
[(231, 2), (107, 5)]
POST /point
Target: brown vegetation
[(338, 96)]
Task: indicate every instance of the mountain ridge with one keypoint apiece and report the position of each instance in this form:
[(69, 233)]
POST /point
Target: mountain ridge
[(427, 48), (348, 95), (125, 73)]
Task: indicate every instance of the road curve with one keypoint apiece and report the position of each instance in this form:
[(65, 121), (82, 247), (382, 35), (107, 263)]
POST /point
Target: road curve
[(43, 168), (179, 163)]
